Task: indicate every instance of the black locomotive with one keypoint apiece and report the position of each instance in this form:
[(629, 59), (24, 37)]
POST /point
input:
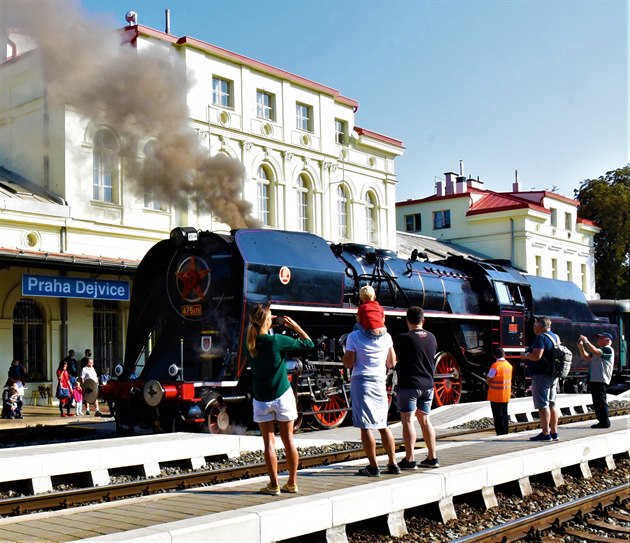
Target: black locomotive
[(185, 364)]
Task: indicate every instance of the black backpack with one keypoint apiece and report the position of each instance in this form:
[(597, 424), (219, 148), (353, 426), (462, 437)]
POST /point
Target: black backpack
[(561, 359)]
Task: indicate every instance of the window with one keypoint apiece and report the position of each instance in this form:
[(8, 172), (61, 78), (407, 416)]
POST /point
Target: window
[(264, 195), (554, 216), (221, 92), (583, 274), (29, 339), (304, 117), (341, 131), (569, 271), (304, 203), (105, 166), (413, 223), (538, 265), (107, 344), (149, 173), (441, 219), (342, 213), (265, 105), (568, 222), (554, 268), (371, 217)]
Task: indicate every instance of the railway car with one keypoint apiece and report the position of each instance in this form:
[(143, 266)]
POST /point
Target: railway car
[(618, 313), (185, 364)]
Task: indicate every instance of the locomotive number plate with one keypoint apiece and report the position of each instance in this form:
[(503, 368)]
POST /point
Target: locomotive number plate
[(191, 310)]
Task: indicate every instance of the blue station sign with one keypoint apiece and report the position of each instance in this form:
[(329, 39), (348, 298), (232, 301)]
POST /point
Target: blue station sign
[(74, 287)]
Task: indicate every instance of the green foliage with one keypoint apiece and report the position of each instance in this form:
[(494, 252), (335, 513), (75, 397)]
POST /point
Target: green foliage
[(606, 201)]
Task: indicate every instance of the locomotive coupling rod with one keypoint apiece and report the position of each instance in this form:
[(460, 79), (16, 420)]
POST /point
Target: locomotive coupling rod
[(234, 399)]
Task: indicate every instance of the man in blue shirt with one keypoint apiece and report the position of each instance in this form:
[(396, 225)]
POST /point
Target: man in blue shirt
[(539, 365)]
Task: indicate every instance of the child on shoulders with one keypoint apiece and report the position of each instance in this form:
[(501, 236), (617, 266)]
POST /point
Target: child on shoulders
[(370, 315)]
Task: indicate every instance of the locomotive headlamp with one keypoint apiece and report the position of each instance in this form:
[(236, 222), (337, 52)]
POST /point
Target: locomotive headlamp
[(118, 370), (173, 370), (184, 235)]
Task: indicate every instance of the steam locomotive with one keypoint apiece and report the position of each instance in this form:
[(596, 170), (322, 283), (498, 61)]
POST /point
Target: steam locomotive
[(185, 364)]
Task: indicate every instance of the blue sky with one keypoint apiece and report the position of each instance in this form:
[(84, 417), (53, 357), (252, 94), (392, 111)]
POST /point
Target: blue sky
[(535, 86)]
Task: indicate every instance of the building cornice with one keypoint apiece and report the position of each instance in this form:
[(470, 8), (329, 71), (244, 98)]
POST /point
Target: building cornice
[(187, 41)]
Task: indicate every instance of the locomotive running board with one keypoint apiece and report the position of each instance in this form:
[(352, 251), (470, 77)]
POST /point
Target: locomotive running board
[(390, 312)]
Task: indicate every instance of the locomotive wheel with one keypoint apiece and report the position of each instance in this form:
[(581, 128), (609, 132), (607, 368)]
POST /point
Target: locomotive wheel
[(217, 418), (331, 419), (448, 380)]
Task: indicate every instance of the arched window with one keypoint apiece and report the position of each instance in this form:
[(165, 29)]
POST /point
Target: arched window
[(105, 166), (371, 217), (304, 200), (342, 213), (265, 201), (29, 340), (151, 200), (107, 335)]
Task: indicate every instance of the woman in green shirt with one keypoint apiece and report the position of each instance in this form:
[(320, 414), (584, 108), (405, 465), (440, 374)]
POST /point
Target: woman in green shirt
[(273, 397)]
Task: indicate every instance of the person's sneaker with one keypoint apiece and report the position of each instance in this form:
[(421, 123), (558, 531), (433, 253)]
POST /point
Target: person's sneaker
[(369, 471), (98, 414), (600, 425), (541, 437), (270, 490), (393, 469), (430, 463), (87, 412), (554, 436), (407, 464), (291, 489)]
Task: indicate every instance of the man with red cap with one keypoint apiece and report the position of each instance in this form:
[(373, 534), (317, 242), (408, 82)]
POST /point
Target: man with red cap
[(601, 358)]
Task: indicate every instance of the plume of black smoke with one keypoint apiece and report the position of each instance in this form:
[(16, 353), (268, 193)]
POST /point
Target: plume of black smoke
[(100, 74)]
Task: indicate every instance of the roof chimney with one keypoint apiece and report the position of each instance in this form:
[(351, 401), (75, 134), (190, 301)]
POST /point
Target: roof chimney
[(460, 185), (474, 183), (515, 186), (438, 188), (449, 184)]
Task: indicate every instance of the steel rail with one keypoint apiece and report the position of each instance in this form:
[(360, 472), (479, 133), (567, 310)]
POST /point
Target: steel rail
[(553, 518)]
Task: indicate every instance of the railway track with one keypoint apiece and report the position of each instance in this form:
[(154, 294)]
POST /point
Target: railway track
[(76, 497), (556, 521)]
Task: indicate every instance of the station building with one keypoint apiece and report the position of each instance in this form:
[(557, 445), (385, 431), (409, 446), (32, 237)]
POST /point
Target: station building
[(74, 223), (538, 231)]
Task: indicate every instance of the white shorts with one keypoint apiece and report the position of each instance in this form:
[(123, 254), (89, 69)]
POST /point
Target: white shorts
[(282, 409)]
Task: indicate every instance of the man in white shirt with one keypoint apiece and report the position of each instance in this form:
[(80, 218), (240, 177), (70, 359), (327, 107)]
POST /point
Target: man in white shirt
[(88, 372)]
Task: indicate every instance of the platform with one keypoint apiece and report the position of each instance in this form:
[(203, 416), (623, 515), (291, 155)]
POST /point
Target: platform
[(236, 512)]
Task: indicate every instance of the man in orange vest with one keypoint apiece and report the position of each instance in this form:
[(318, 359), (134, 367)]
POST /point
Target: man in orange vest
[(499, 381)]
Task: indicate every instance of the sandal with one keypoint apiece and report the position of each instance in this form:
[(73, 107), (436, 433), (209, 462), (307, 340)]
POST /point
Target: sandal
[(270, 490), (291, 489)]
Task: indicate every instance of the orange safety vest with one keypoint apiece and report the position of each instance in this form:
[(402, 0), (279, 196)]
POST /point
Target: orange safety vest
[(500, 386)]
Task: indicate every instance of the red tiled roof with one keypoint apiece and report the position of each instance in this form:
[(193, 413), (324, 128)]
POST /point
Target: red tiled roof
[(493, 202), (435, 197), (376, 135), (587, 222)]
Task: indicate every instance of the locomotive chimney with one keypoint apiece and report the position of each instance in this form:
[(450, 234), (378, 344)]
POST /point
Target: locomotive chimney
[(515, 186), (449, 184), (167, 21)]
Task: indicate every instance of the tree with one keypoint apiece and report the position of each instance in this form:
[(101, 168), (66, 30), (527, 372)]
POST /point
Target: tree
[(606, 201)]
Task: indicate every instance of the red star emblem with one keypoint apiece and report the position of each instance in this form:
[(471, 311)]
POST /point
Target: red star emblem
[(190, 276)]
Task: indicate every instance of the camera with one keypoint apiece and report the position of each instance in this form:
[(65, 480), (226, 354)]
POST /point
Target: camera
[(277, 321)]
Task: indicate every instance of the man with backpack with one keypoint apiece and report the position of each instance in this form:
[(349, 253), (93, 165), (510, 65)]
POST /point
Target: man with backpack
[(539, 360)]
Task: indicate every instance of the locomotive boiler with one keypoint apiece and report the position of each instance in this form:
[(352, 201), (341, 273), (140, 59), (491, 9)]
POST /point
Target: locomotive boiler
[(185, 364)]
